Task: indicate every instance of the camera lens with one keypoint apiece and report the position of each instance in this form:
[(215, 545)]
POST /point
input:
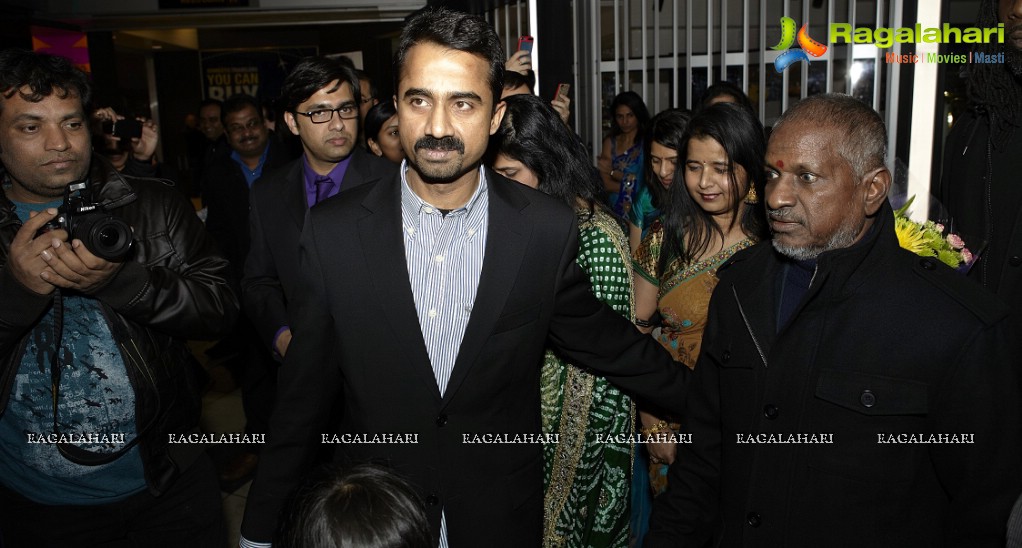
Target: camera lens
[(107, 237)]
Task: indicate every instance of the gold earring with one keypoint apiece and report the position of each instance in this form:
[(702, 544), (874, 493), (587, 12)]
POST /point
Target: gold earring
[(751, 197)]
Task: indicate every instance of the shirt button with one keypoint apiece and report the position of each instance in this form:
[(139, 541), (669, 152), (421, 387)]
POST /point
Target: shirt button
[(411, 230), (471, 231), (867, 399), (432, 500), (427, 210), (432, 313), (770, 411), (753, 519), (441, 420), (439, 258)]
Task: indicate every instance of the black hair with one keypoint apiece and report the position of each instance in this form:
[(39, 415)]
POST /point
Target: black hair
[(864, 134), (312, 74), (725, 89), (635, 103), (363, 506), (211, 102), (43, 74), (514, 79), (992, 88), (532, 133), (688, 229), (237, 103), (668, 129), (454, 30), (374, 93), (375, 118)]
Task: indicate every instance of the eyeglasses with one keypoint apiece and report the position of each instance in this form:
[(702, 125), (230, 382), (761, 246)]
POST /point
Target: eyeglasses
[(251, 124), (346, 112)]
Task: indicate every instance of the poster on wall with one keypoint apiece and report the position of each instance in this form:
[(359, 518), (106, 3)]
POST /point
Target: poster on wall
[(66, 43), (257, 73)]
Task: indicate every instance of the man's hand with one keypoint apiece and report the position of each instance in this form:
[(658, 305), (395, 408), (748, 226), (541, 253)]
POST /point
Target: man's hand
[(520, 62), (145, 146), (26, 262), (73, 266), (562, 104), (282, 342)]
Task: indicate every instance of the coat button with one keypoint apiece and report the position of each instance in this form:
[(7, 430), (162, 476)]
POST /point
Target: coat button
[(432, 500), (725, 356), (927, 263), (441, 420), (1015, 261), (753, 519), (867, 399), (770, 411)]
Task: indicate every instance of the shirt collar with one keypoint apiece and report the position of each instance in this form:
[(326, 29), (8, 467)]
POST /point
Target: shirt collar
[(412, 206), (336, 174)]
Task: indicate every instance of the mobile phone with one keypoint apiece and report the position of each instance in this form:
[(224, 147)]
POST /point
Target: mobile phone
[(125, 129), (525, 43), (562, 90)]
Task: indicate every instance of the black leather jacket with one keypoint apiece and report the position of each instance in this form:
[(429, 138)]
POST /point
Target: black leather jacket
[(171, 288)]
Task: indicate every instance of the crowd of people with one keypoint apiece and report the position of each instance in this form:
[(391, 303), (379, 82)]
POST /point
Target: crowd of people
[(454, 325)]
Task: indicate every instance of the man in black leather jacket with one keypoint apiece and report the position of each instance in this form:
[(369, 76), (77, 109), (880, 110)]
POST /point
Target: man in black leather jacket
[(87, 452)]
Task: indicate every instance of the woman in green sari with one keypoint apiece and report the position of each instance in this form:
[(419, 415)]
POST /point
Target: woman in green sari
[(587, 473), (711, 214)]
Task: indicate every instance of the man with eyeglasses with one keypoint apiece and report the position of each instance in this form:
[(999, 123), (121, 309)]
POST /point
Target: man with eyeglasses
[(321, 99), (225, 187)]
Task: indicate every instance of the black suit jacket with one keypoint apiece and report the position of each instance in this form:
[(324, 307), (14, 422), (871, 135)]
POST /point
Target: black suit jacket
[(278, 207), (225, 194), (883, 345), (357, 338)]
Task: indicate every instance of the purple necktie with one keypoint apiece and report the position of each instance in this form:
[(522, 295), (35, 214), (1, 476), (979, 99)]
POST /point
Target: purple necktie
[(324, 186)]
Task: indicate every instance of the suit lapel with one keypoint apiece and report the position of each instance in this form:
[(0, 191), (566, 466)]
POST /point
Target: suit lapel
[(759, 304), (293, 194), (356, 174), (383, 249), (507, 235)]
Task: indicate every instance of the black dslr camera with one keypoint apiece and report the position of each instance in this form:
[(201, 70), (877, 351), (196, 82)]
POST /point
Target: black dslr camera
[(106, 236)]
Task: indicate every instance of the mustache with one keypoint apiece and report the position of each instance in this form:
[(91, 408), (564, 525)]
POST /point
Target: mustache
[(783, 214), (443, 143)]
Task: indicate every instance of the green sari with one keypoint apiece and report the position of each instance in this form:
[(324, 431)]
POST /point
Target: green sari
[(587, 479)]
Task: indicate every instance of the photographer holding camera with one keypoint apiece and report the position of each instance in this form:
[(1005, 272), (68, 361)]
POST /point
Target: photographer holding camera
[(102, 276), (129, 144)]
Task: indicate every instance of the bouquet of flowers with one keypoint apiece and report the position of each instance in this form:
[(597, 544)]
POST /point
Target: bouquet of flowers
[(928, 239)]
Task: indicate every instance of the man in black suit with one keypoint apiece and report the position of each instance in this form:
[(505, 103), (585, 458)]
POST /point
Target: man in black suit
[(321, 101), (225, 187), (427, 302)]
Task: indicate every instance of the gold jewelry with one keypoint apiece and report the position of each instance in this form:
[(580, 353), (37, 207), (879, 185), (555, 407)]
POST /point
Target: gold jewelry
[(751, 197), (658, 427)]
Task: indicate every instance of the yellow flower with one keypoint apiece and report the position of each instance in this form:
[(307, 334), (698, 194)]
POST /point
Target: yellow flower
[(910, 236)]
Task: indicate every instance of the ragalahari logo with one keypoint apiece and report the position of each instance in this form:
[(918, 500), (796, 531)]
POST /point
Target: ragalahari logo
[(792, 56)]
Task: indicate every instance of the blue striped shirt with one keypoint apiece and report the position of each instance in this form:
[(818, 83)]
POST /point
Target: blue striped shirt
[(444, 255)]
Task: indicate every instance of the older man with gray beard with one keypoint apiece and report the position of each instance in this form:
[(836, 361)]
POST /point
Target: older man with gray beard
[(848, 392)]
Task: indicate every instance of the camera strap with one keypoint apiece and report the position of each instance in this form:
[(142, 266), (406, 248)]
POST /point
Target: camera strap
[(69, 451)]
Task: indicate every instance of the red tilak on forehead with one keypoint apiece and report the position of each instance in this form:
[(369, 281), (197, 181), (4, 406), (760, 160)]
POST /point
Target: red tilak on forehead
[(780, 164)]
